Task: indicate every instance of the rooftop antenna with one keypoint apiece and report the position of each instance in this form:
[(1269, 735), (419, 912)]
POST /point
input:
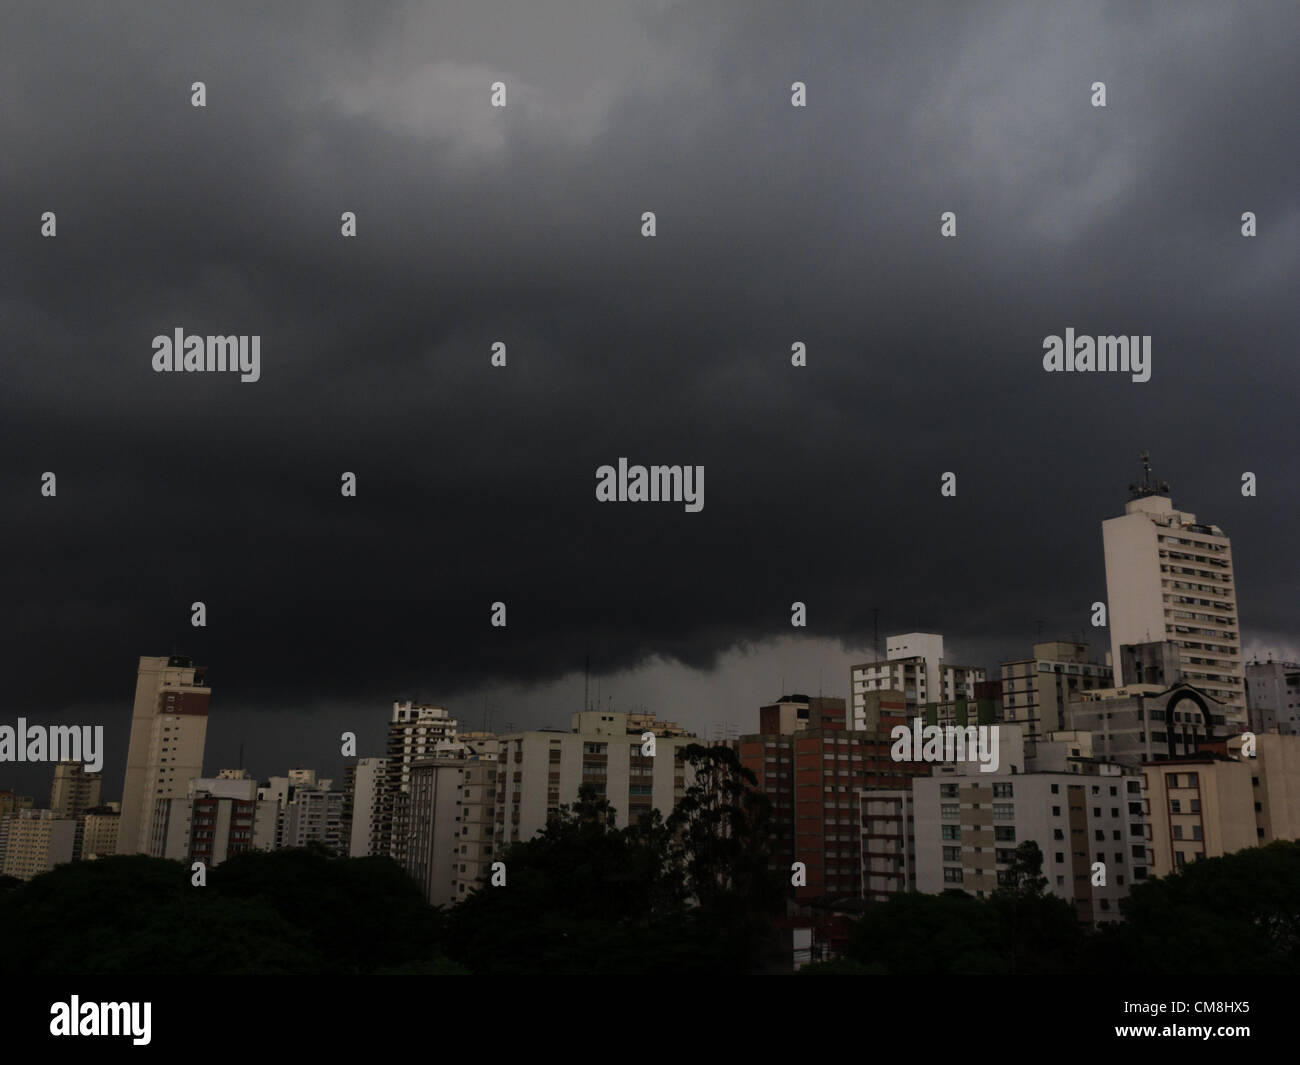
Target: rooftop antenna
[(1149, 485)]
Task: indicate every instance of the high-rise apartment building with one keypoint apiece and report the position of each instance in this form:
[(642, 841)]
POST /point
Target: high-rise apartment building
[(415, 732), (1170, 577), (814, 769), (913, 665), (169, 722), (364, 785), (1035, 690), (35, 841), (453, 824), (99, 833), (1079, 810), (74, 790), (215, 819), (315, 815), (1273, 696), (541, 770)]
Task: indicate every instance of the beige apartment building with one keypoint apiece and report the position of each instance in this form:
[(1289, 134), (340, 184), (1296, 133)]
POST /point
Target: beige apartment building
[(169, 723), (35, 841), (1170, 577), (99, 838), (544, 769), (967, 824), (1035, 691), (453, 805), (1200, 806)]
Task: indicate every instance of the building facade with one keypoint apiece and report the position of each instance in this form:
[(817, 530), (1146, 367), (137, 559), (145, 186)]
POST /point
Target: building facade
[(1170, 577), (913, 665), (1035, 690), (169, 722)]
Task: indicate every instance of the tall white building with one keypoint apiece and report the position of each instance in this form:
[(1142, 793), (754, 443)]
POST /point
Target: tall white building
[(1169, 577), (169, 723), (365, 786), (913, 665)]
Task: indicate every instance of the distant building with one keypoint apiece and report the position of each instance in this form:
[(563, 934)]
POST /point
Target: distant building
[(1170, 577), (99, 834), (1080, 811), (1036, 690), (216, 819), (169, 722), (315, 815), (541, 770), (364, 785), (1146, 722), (1273, 697), (814, 770), (913, 665), (35, 841), (453, 807), (415, 732)]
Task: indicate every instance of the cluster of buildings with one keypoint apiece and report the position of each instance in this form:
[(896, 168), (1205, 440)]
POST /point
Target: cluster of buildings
[(1166, 749)]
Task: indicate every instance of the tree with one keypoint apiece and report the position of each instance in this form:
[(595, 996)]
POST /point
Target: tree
[(1043, 933), (722, 830)]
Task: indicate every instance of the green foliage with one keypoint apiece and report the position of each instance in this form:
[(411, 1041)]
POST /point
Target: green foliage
[(279, 913), (1238, 914), (689, 894)]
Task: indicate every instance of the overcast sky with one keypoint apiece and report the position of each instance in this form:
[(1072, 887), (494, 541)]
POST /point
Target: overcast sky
[(523, 225)]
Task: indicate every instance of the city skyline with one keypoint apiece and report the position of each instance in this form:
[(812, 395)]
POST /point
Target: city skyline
[(821, 226), (745, 678)]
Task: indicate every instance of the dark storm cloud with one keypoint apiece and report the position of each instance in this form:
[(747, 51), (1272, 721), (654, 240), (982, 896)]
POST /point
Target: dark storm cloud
[(522, 225)]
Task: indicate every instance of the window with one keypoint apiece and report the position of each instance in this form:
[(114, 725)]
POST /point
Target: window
[(952, 854), (951, 876), (1004, 811), (952, 831), (950, 809), (1002, 791), (1005, 833), (947, 791)]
